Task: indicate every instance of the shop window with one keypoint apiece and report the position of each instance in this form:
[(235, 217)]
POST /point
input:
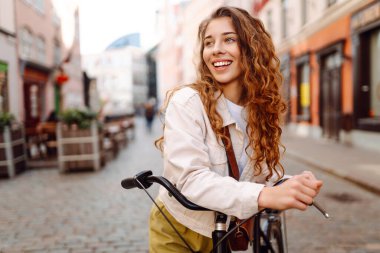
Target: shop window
[(41, 51), (368, 106), (374, 87), (303, 92), (56, 53), (34, 100), (39, 5), (26, 43), (29, 2), (3, 87)]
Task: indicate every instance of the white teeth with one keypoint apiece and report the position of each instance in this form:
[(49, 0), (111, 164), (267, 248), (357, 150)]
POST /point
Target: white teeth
[(221, 63)]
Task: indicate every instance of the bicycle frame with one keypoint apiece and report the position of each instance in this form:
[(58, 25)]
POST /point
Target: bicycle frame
[(269, 222)]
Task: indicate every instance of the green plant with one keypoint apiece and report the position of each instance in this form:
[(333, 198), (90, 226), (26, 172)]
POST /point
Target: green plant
[(6, 119), (81, 118)]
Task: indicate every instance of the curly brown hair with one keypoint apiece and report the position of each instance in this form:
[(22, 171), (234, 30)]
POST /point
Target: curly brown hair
[(261, 80)]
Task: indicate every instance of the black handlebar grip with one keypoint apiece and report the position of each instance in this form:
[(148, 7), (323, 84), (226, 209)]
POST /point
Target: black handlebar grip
[(129, 183), (140, 180)]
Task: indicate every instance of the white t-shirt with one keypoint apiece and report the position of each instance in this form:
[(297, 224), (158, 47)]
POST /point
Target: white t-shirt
[(238, 113)]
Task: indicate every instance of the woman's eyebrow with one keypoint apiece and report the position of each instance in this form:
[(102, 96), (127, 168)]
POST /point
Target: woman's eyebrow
[(225, 33)]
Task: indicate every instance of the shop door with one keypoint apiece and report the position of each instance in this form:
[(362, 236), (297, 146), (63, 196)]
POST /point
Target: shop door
[(330, 92), (34, 83), (33, 103)]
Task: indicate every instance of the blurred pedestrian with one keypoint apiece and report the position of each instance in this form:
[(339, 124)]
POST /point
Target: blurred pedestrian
[(234, 104), (150, 111)]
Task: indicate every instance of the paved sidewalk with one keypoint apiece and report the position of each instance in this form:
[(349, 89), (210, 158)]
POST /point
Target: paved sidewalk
[(358, 165)]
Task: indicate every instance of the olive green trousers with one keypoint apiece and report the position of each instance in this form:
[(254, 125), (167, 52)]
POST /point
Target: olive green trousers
[(163, 239)]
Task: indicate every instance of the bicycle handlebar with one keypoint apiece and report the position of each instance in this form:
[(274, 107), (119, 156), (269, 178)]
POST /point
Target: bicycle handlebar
[(145, 179)]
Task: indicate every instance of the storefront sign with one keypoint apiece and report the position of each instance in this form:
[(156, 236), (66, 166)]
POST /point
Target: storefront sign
[(365, 16), (35, 75)]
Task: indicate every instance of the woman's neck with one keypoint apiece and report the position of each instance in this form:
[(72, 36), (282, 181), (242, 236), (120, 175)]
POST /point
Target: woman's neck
[(233, 92)]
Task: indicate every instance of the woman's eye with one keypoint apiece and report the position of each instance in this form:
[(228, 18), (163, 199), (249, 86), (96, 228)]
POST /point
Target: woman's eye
[(230, 40), (207, 43)]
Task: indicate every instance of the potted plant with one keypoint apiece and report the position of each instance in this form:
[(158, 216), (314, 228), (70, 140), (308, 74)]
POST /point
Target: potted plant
[(12, 146), (76, 118), (80, 141)]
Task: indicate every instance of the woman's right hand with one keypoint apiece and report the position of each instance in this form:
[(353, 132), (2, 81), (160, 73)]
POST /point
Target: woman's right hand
[(297, 192)]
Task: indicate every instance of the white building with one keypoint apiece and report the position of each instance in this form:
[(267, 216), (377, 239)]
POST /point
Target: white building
[(121, 75)]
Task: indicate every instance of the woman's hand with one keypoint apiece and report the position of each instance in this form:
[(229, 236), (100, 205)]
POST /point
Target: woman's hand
[(296, 192)]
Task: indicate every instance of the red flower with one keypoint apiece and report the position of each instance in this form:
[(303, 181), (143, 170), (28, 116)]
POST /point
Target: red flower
[(62, 79)]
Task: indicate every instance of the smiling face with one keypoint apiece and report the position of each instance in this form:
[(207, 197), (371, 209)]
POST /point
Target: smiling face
[(221, 51)]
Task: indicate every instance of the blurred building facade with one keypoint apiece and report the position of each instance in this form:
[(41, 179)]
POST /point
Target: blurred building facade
[(122, 78), (49, 59), (72, 92), (132, 39), (329, 52), (9, 83)]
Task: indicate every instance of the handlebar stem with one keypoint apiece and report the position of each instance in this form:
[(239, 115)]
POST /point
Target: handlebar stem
[(219, 232)]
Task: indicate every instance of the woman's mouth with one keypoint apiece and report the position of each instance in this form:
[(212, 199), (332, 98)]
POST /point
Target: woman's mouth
[(219, 64)]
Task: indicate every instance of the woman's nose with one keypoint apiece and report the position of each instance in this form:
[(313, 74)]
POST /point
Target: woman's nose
[(218, 48)]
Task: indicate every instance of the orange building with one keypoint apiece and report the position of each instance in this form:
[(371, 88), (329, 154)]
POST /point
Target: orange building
[(321, 80), (330, 55)]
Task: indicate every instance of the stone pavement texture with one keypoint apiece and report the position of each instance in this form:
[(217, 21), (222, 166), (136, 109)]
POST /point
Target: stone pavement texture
[(45, 211), (358, 165)]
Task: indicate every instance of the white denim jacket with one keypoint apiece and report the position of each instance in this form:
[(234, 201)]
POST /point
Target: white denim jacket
[(196, 163)]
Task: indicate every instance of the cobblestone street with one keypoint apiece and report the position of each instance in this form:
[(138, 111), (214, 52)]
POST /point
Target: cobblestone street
[(44, 211)]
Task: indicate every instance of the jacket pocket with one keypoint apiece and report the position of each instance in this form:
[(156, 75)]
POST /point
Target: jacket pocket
[(218, 159)]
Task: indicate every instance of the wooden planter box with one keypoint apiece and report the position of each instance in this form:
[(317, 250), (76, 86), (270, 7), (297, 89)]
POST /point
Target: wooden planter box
[(79, 149), (12, 151)]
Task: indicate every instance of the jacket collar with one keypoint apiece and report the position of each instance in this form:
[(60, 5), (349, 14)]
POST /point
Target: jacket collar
[(221, 107)]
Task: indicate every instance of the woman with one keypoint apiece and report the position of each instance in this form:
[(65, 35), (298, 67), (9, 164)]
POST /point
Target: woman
[(238, 87)]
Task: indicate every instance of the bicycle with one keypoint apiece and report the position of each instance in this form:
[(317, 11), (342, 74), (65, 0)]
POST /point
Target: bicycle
[(269, 225)]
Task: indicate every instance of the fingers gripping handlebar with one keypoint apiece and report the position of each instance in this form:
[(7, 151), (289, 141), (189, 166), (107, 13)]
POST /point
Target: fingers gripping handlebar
[(145, 179), (314, 203)]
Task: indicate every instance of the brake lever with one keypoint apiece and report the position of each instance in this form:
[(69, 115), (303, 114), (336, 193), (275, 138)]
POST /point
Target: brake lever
[(319, 208), (314, 203)]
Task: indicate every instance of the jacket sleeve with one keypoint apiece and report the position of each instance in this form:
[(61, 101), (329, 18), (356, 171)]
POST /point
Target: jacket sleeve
[(187, 163)]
